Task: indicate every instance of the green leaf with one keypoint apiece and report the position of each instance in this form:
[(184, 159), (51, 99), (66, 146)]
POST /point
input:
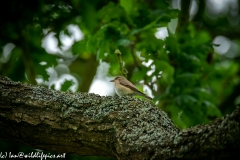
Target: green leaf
[(127, 5), (212, 110), (66, 85), (178, 116), (79, 47), (202, 38), (185, 99), (167, 72), (109, 12)]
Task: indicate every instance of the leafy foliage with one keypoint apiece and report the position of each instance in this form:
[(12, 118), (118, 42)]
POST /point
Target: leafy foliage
[(188, 80)]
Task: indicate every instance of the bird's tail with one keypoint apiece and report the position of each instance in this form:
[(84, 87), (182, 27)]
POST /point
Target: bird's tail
[(148, 97), (144, 95)]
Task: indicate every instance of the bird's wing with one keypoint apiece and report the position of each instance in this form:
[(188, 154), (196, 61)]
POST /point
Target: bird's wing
[(131, 86)]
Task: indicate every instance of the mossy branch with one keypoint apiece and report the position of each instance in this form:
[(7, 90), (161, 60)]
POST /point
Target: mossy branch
[(116, 127), (121, 68)]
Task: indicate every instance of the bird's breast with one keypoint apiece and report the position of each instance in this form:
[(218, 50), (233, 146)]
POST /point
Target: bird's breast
[(122, 90)]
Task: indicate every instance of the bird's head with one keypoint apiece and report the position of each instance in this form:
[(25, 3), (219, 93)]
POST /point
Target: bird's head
[(117, 78)]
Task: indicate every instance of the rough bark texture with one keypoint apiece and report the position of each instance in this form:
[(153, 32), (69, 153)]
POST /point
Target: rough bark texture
[(116, 127)]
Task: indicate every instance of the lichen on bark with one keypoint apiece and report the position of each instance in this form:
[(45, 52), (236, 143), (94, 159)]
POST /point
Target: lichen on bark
[(116, 127)]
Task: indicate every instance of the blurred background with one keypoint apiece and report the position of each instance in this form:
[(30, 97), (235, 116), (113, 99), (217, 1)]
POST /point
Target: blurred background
[(184, 54)]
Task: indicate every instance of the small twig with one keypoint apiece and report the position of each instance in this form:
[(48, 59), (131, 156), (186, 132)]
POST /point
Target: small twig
[(121, 68)]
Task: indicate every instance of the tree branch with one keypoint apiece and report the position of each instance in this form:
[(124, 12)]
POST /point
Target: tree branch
[(183, 17), (116, 127)]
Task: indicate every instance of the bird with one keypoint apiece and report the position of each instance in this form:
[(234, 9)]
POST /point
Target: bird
[(123, 87)]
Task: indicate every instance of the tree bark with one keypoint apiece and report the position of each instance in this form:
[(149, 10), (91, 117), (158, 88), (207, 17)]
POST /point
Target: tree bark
[(115, 127)]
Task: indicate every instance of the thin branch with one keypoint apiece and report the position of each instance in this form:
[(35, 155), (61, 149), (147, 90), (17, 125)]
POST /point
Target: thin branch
[(183, 17), (121, 68)]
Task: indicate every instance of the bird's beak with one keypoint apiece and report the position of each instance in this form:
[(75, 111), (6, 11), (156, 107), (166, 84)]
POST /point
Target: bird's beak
[(112, 80)]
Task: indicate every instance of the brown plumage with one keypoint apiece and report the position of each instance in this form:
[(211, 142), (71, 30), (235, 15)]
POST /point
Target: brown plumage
[(125, 87)]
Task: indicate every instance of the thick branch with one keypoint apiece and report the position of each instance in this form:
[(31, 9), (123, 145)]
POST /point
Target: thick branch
[(117, 127)]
